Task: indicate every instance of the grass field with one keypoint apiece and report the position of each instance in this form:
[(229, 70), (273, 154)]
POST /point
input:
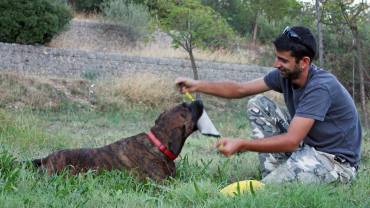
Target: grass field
[(33, 131)]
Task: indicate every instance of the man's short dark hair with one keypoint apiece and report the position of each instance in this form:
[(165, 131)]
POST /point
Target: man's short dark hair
[(298, 40)]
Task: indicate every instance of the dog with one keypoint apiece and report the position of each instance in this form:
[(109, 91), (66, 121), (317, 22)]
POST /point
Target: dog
[(146, 155)]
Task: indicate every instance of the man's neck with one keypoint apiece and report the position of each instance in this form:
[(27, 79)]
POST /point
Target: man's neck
[(302, 79)]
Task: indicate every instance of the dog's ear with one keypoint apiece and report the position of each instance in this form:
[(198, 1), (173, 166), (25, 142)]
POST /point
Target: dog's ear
[(177, 140), (159, 117)]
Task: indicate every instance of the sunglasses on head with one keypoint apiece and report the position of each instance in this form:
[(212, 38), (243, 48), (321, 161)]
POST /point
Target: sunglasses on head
[(288, 32)]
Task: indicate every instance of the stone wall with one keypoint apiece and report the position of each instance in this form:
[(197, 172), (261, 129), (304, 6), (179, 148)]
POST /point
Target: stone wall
[(42, 60)]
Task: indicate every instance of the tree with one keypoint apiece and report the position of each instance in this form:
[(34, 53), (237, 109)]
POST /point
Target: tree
[(245, 15), (192, 25), (349, 13), (272, 9), (319, 33), (234, 11)]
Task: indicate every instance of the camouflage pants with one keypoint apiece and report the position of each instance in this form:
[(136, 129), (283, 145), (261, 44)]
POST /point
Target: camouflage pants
[(306, 164)]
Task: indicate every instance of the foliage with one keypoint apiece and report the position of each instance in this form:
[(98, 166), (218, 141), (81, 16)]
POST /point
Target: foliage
[(192, 25), (242, 15), (158, 8), (335, 20), (134, 17), (338, 46), (351, 14), (86, 5), (234, 11), (32, 22)]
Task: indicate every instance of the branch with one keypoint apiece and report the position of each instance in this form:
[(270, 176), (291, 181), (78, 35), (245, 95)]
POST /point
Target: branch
[(186, 45), (181, 44), (331, 22), (354, 13), (345, 15), (191, 42), (359, 9), (328, 18)]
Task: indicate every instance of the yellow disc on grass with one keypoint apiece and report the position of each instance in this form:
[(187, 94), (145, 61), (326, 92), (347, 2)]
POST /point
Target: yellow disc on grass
[(241, 187)]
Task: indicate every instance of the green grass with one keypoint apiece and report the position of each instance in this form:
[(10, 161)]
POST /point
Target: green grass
[(201, 171)]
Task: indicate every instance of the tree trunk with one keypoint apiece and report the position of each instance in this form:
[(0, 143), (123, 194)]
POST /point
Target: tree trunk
[(319, 31), (193, 65), (255, 28), (194, 68), (353, 77), (361, 76)]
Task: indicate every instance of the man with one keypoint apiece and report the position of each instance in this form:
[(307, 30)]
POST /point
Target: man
[(318, 139)]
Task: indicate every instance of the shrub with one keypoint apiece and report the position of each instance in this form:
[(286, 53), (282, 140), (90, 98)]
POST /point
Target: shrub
[(158, 8), (86, 5), (133, 17), (32, 22)]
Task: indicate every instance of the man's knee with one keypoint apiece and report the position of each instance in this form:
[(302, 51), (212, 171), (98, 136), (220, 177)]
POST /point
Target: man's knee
[(262, 106), (309, 166), (257, 101), (257, 108)]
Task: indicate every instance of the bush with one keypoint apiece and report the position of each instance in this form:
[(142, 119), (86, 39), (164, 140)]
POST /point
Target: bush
[(158, 8), (86, 5), (32, 22), (133, 17)]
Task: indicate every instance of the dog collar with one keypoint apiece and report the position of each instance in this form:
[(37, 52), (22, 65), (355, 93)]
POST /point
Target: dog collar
[(160, 146)]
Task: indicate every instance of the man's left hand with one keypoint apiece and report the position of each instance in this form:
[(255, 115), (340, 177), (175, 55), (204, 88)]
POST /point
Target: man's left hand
[(228, 146)]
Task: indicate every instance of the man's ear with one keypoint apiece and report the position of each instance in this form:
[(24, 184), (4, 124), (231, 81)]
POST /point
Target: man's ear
[(305, 62)]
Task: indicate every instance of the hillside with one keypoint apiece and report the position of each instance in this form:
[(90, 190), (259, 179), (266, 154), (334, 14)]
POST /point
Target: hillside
[(95, 35)]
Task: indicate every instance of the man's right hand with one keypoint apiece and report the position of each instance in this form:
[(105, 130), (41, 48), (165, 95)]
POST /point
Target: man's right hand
[(186, 84)]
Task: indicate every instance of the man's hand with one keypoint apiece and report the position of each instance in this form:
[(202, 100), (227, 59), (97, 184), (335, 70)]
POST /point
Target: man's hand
[(287, 142), (186, 84), (228, 146)]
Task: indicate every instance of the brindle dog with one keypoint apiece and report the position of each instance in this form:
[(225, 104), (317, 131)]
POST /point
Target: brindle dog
[(137, 154)]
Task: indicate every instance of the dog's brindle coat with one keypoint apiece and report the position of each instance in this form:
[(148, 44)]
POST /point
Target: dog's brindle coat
[(136, 154)]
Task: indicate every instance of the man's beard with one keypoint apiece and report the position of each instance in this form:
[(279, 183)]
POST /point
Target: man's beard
[(291, 75)]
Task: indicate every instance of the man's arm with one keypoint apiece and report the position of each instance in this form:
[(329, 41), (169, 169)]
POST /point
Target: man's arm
[(288, 142), (225, 89)]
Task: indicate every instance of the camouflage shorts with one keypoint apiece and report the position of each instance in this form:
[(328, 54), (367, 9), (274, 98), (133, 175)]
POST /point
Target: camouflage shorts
[(306, 164)]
